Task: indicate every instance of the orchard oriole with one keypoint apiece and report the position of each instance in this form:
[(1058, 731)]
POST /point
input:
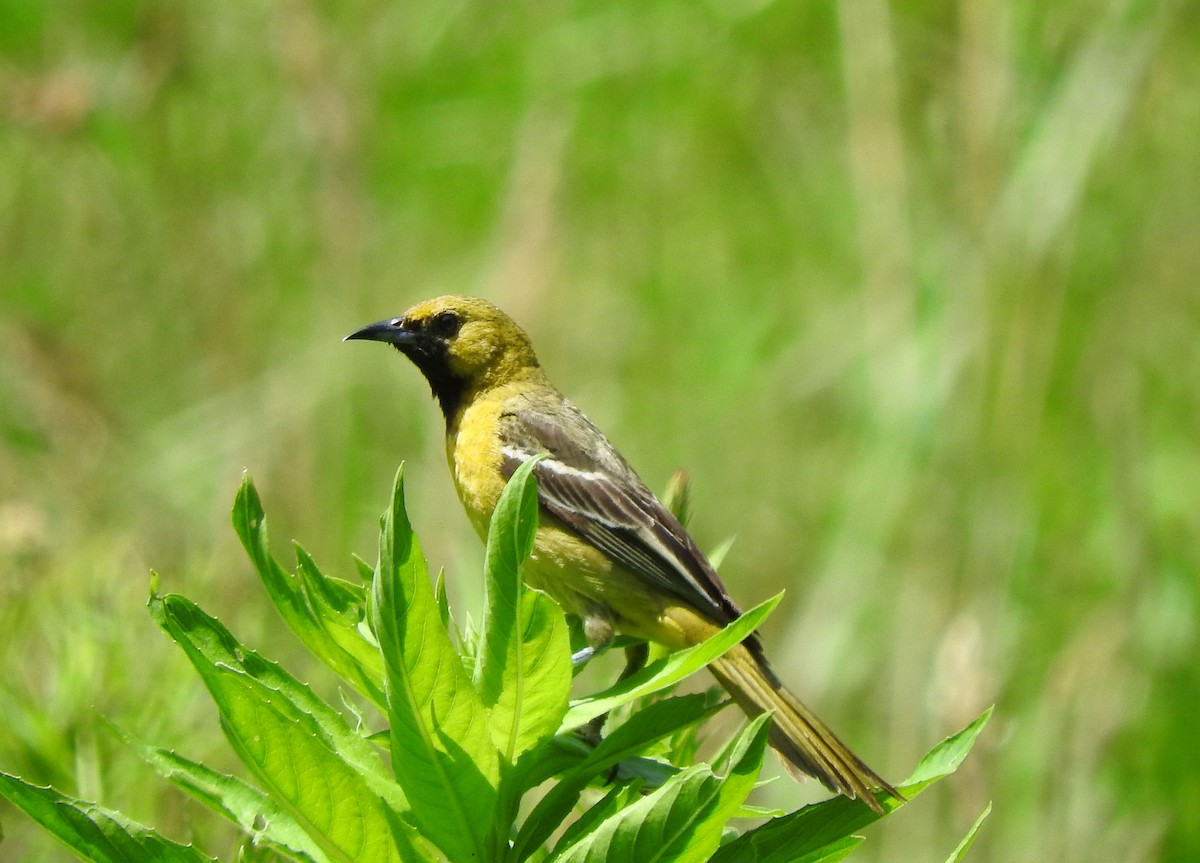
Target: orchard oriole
[(606, 549)]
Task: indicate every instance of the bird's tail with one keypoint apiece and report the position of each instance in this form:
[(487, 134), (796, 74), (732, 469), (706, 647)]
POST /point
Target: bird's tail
[(804, 743)]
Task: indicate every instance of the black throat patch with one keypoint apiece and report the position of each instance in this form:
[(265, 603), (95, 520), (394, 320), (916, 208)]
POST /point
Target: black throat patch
[(432, 360)]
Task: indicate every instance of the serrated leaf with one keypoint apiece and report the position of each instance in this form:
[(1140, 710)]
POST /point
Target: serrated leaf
[(343, 600), (523, 665), (818, 831), (299, 749), (279, 745), (91, 831), (442, 750), (253, 811), (205, 640), (681, 822), (969, 839), (340, 608), (332, 636), (669, 670)]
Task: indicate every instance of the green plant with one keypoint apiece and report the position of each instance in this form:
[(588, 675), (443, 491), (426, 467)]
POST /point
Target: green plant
[(477, 722)]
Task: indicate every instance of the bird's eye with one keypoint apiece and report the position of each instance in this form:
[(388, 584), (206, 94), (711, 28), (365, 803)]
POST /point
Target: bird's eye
[(445, 325)]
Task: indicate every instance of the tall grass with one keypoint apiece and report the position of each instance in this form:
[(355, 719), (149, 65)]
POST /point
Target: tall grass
[(908, 289)]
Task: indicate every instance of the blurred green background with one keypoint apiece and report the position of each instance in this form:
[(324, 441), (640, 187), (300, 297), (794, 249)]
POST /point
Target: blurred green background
[(910, 290)]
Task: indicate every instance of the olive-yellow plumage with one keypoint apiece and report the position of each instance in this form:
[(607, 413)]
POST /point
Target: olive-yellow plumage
[(606, 549)]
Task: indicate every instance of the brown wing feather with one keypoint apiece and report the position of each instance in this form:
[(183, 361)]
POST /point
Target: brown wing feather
[(588, 486)]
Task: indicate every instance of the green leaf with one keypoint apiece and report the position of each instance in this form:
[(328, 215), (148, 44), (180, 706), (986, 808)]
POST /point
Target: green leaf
[(717, 556), (818, 831), (256, 813), (91, 831), (442, 750), (810, 834), (669, 670), (969, 839), (301, 751), (443, 599), (775, 849), (656, 721), (365, 571), (523, 664), (642, 730), (944, 758), (650, 772), (342, 600), (681, 822), (341, 609), (606, 807), (323, 615), (551, 757), (677, 496), (751, 811)]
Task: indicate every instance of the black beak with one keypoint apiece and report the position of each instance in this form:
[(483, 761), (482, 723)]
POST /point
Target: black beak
[(391, 331)]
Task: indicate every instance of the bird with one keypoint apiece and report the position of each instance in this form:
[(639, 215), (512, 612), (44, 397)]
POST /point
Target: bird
[(606, 548)]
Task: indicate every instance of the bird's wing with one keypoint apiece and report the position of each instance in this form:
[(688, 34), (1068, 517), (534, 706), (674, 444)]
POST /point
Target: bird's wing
[(585, 484)]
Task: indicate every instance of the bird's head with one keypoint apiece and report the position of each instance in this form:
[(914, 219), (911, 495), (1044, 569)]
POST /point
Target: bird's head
[(460, 344)]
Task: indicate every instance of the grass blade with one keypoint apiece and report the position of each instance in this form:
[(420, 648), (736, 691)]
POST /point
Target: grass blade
[(969, 839)]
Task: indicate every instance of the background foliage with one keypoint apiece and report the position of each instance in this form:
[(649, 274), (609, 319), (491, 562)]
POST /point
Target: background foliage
[(910, 291)]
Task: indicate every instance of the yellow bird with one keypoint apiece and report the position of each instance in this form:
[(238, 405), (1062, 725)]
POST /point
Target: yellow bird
[(606, 549)]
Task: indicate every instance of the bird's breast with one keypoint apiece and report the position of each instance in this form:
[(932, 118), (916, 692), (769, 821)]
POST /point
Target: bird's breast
[(473, 450)]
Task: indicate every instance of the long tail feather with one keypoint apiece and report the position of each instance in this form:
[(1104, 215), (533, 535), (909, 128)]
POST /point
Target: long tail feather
[(804, 743)]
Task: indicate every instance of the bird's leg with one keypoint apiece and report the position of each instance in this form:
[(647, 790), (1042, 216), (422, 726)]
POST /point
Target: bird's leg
[(635, 660), (598, 629), (582, 655)]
